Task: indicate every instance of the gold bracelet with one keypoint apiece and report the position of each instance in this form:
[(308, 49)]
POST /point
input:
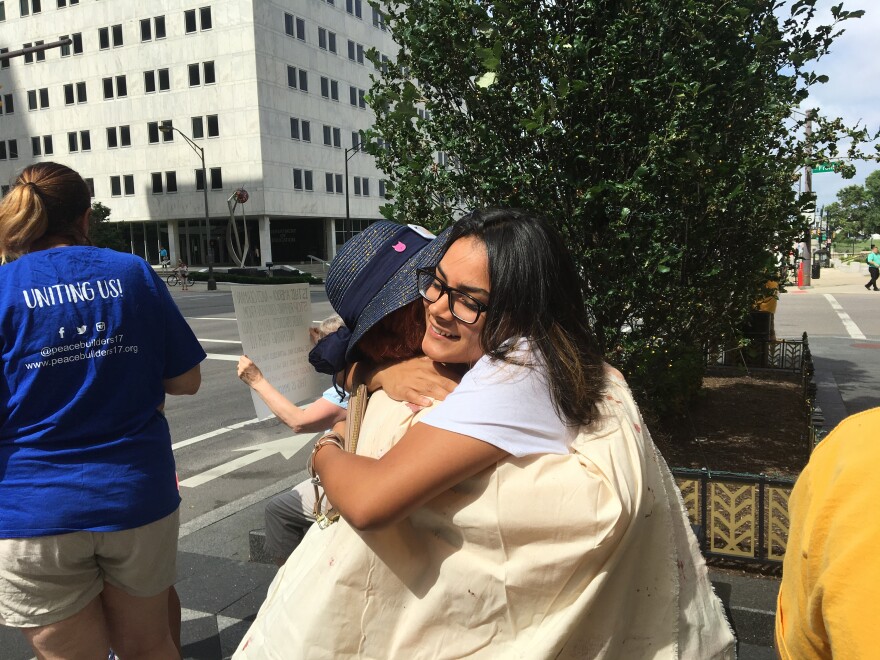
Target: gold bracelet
[(331, 438)]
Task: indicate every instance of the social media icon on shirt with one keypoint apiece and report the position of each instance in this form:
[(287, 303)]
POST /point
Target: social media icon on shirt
[(100, 327)]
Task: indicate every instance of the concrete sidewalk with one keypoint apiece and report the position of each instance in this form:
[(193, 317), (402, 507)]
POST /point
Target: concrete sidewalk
[(842, 278)]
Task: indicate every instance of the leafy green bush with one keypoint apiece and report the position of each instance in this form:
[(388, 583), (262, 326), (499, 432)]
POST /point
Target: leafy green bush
[(658, 136)]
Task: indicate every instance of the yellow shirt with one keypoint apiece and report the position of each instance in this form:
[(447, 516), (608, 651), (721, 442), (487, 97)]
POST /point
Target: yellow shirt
[(827, 604)]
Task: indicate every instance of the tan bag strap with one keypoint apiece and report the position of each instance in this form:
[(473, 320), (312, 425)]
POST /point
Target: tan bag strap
[(357, 408)]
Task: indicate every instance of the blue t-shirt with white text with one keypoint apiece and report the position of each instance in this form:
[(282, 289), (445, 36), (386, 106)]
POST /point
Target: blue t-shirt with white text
[(87, 336)]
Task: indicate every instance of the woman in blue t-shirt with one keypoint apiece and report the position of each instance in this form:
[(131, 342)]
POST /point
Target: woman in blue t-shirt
[(90, 344)]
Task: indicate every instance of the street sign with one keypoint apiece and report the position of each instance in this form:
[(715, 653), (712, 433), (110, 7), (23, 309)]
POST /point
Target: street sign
[(823, 167)]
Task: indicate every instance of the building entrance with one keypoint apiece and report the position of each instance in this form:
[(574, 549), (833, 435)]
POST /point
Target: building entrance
[(294, 241)]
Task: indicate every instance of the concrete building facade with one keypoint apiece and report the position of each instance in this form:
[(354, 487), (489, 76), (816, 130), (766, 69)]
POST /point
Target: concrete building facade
[(271, 91)]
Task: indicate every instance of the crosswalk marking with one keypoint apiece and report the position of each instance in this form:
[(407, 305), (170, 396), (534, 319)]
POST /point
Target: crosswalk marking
[(848, 323), (212, 434), (222, 356)]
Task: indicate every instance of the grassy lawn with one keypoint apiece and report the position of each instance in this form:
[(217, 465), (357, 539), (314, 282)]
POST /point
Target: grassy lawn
[(847, 246)]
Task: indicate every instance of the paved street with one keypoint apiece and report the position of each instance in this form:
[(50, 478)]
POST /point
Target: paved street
[(843, 323), (228, 468)]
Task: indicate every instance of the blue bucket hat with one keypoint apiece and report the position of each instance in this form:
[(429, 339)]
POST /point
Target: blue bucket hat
[(373, 275)]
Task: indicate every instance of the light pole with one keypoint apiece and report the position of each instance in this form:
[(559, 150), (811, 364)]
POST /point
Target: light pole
[(5, 57), (165, 127), (349, 153)]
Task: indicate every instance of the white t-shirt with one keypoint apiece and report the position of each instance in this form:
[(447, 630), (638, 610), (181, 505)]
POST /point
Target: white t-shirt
[(506, 405)]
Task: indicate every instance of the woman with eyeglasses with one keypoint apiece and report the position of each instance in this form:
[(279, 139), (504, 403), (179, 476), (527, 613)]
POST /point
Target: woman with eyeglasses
[(527, 515)]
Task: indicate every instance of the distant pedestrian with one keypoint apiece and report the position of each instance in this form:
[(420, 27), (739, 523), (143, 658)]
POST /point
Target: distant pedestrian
[(182, 271), (873, 267), (163, 258), (827, 599)]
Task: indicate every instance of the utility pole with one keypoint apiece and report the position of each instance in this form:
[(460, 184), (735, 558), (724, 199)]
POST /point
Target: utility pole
[(166, 127), (808, 188)]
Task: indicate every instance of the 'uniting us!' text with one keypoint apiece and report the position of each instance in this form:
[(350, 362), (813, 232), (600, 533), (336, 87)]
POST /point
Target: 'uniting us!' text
[(76, 292)]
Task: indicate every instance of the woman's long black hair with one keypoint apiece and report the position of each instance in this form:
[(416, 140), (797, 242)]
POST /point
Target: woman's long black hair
[(536, 293)]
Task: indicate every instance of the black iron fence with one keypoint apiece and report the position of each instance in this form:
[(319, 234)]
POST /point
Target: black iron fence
[(745, 516), (737, 516), (791, 356), (779, 354)]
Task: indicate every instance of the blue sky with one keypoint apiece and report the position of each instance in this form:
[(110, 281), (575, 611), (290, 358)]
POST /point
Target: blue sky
[(853, 91)]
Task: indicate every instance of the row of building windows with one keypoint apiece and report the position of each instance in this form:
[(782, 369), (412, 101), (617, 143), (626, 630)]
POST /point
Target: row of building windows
[(199, 74), (301, 129), (28, 7), (299, 79), (113, 87), (304, 180), (294, 26), (165, 183), (112, 35), (209, 125), (117, 136), (194, 20), (356, 9)]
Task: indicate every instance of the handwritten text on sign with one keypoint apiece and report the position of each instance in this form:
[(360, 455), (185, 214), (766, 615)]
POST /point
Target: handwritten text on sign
[(273, 323)]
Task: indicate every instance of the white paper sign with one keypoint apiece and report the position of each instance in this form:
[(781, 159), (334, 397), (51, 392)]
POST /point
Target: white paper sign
[(273, 323)]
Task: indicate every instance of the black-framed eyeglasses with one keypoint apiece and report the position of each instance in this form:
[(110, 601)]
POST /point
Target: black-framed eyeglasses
[(462, 306)]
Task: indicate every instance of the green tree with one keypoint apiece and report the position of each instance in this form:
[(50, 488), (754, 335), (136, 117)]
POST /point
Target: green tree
[(104, 233), (841, 223), (872, 192), (657, 135), (857, 209), (852, 202)]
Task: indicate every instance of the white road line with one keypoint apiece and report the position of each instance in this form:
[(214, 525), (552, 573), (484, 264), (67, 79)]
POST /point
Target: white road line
[(224, 469), (211, 318), (221, 356), (219, 341), (231, 508), (753, 610), (212, 434), (848, 323), (287, 447)]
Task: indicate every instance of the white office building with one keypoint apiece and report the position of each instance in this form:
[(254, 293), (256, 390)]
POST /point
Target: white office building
[(271, 91)]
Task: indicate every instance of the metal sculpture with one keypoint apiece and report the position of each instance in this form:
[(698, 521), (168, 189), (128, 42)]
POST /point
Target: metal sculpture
[(238, 250)]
